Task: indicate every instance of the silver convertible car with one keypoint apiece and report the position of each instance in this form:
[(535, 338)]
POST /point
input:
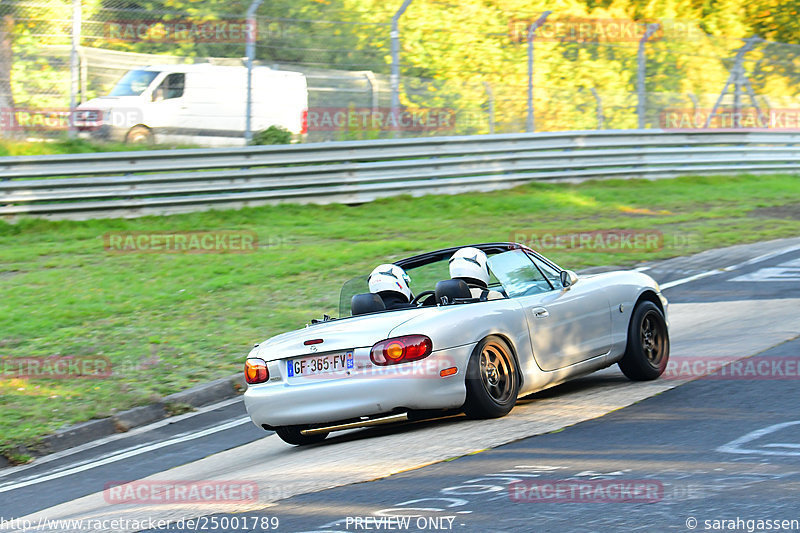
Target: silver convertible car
[(450, 351)]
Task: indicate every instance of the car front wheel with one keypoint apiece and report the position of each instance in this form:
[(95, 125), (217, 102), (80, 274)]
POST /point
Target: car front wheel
[(491, 380), (647, 351)]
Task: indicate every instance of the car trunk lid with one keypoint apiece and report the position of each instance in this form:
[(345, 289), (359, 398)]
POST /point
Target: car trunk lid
[(336, 335)]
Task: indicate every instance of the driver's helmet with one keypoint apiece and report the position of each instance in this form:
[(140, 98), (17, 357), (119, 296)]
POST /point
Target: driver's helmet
[(471, 265), (392, 278)]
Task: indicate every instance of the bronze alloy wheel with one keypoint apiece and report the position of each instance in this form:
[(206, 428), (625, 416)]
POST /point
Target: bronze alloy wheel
[(647, 350), (492, 382), (496, 371), (653, 337)]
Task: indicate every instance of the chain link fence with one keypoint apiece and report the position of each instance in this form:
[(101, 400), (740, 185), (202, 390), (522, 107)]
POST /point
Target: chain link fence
[(587, 73)]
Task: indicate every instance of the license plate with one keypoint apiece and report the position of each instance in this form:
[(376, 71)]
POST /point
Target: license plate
[(320, 365)]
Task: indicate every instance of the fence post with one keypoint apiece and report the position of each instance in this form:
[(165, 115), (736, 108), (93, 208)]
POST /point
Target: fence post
[(531, 34), (738, 78), (598, 109), (395, 76), (490, 94), (250, 51), (372, 81), (641, 106), (74, 60)]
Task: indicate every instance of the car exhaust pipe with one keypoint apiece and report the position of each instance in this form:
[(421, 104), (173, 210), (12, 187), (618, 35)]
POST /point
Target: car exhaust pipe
[(402, 417)]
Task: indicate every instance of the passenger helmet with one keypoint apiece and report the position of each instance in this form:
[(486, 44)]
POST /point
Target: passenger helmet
[(471, 265), (389, 277)]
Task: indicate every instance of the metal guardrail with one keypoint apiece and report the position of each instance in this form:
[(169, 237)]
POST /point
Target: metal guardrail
[(125, 184)]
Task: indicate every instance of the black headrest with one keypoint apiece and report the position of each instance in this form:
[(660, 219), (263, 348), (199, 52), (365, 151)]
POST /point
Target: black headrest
[(452, 288), (362, 304), (475, 282), (394, 300)]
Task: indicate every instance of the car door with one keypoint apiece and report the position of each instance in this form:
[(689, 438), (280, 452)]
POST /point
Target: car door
[(567, 325), (579, 316)]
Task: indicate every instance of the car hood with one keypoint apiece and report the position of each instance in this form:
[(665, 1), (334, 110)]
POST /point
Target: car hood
[(343, 334)]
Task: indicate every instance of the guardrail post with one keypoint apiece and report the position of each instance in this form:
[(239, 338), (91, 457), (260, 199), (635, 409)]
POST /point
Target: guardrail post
[(531, 34)]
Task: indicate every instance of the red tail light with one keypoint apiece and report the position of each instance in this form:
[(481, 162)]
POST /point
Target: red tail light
[(304, 122), (255, 371), (401, 350)]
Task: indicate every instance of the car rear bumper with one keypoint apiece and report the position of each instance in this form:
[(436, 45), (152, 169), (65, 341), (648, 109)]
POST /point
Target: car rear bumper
[(408, 386)]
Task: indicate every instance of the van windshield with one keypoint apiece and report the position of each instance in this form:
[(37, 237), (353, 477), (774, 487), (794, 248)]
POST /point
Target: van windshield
[(133, 83)]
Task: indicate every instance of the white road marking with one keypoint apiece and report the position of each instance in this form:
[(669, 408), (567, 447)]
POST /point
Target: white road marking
[(788, 271), (735, 446), (124, 454), (105, 440), (690, 278), (737, 266)]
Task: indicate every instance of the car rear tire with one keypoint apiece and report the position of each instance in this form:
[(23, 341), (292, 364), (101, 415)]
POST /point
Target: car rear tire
[(292, 435), (647, 351), (491, 380)]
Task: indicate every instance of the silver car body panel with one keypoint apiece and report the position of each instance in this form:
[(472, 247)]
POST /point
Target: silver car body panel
[(585, 329)]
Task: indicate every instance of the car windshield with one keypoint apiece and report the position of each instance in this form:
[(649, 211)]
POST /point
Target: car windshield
[(512, 273), (134, 83)]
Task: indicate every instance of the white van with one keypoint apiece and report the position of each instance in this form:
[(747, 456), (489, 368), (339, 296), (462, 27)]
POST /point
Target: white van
[(195, 104)]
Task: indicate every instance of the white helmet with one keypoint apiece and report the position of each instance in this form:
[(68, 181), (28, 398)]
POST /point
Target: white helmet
[(470, 263), (389, 277)]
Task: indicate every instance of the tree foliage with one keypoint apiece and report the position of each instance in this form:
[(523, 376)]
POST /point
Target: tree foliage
[(454, 54)]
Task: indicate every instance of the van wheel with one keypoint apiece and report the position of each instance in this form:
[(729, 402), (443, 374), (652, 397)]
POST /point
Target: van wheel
[(139, 135), (492, 381)]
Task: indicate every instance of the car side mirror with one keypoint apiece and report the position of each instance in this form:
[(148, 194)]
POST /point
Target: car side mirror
[(568, 278)]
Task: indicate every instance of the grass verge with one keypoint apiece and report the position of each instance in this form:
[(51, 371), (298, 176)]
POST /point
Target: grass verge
[(169, 321), (65, 145)]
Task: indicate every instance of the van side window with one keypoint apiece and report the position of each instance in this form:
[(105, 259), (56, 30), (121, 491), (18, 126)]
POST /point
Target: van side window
[(171, 87)]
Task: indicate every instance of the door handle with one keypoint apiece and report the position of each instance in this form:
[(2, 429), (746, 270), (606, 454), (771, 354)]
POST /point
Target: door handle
[(541, 312)]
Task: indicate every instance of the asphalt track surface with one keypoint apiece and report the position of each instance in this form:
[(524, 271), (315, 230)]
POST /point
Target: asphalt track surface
[(711, 449)]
